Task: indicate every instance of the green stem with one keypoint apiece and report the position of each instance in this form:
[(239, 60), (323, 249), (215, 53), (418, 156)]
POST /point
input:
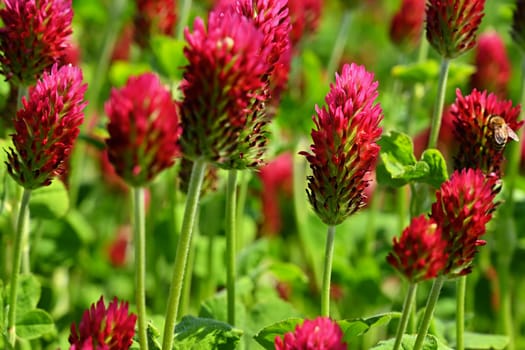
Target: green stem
[(186, 290), (184, 10), (405, 314), (139, 233), (340, 43), (327, 272), (438, 107), (460, 311), (241, 202), (183, 248), (429, 312), (231, 214), (21, 236)]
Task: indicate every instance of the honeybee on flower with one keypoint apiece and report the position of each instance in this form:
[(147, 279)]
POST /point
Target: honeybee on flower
[(500, 132)]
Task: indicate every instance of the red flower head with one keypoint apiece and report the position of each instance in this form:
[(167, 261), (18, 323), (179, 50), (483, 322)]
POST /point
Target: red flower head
[(452, 25), (420, 252), (319, 334), (518, 24), (463, 207), (143, 128), (223, 88), (46, 127), (34, 37), (407, 23), (344, 148), (272, 19), (305, 16), (154, 17), (276, 179), (104, 329), (482, 125), (492, 65)]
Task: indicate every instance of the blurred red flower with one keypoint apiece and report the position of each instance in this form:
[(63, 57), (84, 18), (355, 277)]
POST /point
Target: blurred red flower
[(154, 17), (305, 16), (407, 24)]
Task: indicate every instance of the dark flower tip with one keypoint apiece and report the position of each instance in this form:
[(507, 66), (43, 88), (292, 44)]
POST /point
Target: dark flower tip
[(224, 90), (100, 328), (344, 148), (143, 128), (34, 37), (420, 252), (483, 124), (47, 127), (319, 334), (464, 205), (452, 25)]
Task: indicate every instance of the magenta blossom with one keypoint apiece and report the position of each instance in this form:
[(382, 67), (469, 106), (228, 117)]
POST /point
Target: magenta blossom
[(319, 334)]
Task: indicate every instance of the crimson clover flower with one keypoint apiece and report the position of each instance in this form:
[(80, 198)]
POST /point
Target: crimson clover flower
[(143, 128), (106, 329), (492, 65), (420, 253), (452, 25), (223, 88), (344, 148), (305, 16), (464, 205), (319, 334), (46, 127), (482, 125), (153, 17), (518, 24), (35, 35), (272, 19), (407, 23)]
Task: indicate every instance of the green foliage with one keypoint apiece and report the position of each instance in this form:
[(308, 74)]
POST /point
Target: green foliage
[(399, 165), (480, 341), (206, 334), (407, 343), (49, 202)]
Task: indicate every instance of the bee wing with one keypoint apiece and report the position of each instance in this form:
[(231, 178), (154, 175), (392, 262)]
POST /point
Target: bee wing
[(512, 134), (500, 136)]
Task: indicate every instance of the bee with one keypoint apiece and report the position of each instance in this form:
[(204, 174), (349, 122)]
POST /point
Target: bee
[(500, 132)]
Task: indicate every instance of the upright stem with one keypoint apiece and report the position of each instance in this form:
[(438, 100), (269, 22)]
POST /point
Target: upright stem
[(241, 202), (340, 43), (183, 248), (405, 314), (429, 312), (438, 107), (21, 236), (186, 290), (327, 272), (231, 214), (184, 10), (139, 233), (461, 288)]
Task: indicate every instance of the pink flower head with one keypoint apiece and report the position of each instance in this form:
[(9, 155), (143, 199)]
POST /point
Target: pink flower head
[(420, 252), (344, 148), (224, 87), (305, 16), (492, 65), (34, 37), (482, 125), (319, 334), (272, 19), (452, 25), (143, 128), (518, 24), (154, 17), (463, 207), (104, 329), (407, 23), (46, 127)]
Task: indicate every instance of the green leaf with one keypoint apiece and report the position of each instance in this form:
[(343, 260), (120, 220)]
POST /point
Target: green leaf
[(480, 341), (357, 327), (120, 71), (169, 56), (153, 335), (266, 336), (407, 343), (288, 272), (80, 225), (397, 151), (419, 72), (34, 324), (205, 334), (49, 202), (437, 167), (28, 293)]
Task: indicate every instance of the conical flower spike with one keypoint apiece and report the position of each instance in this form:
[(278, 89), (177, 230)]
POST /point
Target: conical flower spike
[(319, 334)]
